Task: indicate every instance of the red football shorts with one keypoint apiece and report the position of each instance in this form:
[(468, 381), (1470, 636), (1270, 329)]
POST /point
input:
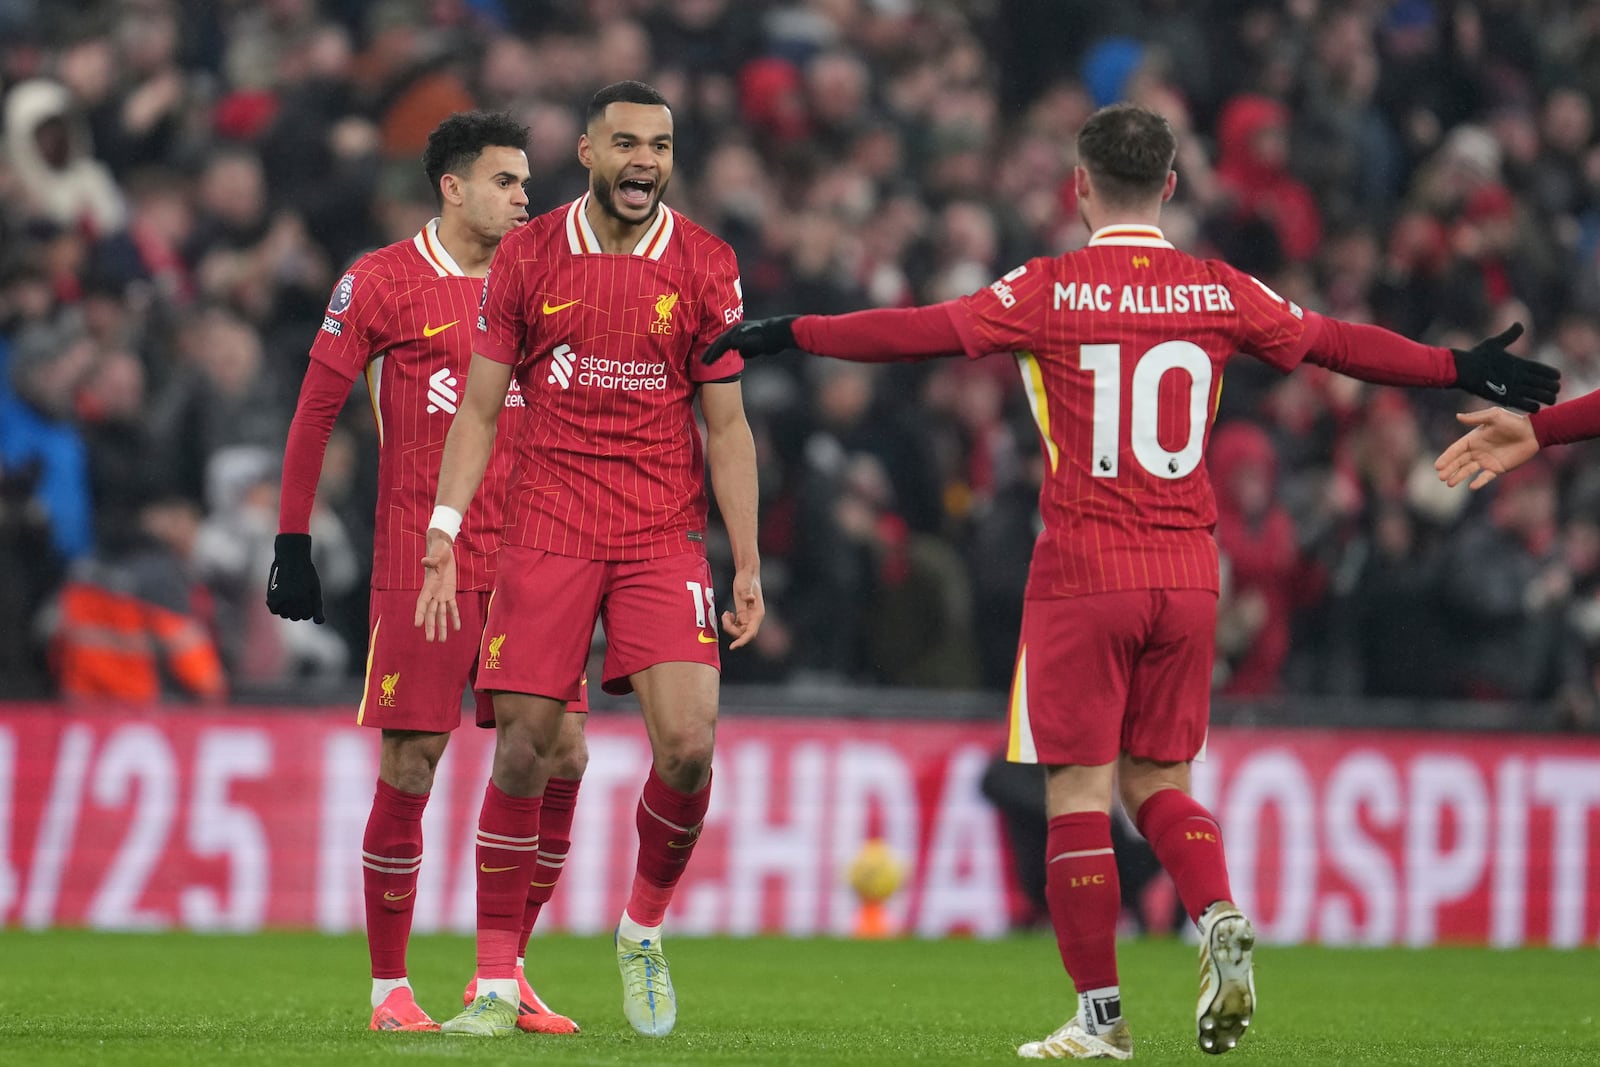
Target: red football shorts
[(415, 684), (542, 617), (1109, 673)]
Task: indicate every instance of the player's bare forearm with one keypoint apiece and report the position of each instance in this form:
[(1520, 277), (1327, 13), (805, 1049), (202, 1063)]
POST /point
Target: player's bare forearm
[(471, 438), (466, 455), (731, 453)]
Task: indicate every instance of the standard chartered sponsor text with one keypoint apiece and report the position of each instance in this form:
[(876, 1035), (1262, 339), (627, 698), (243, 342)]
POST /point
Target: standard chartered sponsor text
[(629, 375)]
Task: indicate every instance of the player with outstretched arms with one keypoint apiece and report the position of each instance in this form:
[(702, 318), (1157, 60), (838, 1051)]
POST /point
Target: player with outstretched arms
[(1121, 346), (601, 310), (402, 319)]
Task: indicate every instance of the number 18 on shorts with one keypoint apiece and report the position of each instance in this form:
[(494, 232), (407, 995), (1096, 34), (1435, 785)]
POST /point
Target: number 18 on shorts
[(541, 620)]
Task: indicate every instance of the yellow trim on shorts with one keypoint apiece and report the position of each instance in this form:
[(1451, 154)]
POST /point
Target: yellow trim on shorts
[(366, 679), (1014, 738)]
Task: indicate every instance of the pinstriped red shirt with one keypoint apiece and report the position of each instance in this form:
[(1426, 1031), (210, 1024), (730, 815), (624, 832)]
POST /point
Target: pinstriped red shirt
[(606, 350), (1121, 345), (402, 318)]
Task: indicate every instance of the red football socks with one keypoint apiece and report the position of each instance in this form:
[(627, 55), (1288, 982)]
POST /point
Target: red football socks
[(1188, 842), (555, 838), (391, 856), (508, 841), (669, 825), (1085, 897)]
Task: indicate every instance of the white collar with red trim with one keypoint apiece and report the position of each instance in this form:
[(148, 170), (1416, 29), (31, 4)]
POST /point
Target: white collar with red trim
[(582, 240), (432, 249), (1130, 234)]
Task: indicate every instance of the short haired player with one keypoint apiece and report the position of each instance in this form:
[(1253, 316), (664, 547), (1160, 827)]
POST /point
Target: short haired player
[(401, 318), (1121, 347)]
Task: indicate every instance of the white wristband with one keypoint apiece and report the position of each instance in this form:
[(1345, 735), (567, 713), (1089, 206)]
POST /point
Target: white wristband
[(447, 519)]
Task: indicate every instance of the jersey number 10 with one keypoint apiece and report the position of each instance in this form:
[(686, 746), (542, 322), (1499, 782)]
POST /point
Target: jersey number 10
[(1104, 363)]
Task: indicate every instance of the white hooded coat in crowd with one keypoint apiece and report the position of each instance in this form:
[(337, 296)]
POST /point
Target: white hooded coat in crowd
[(83, 191)]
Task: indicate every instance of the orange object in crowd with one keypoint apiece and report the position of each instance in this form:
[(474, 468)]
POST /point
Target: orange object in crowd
[(112, 645)]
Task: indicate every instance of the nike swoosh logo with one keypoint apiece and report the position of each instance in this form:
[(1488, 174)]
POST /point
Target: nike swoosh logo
[(541, 885), (272, 586), (1497, 390), (429, 331), (387, 895), (681, 844), (551, 309), (705, 640), (486, 869)]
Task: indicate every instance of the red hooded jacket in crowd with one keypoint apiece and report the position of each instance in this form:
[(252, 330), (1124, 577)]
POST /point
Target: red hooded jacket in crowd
[(1252, 168), (1257, 538)]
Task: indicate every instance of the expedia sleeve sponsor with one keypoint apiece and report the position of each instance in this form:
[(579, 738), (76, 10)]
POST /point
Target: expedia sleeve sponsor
[(1002, 290)]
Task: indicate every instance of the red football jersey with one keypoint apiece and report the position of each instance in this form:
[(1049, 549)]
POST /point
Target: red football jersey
[(402, 317), (1121, 346), (606, 349)]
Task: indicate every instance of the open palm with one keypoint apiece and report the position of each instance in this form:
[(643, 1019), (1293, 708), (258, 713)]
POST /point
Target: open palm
[(1500, 441)]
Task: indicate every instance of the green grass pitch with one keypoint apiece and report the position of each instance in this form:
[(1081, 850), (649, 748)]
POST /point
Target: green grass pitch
[(79, 997)]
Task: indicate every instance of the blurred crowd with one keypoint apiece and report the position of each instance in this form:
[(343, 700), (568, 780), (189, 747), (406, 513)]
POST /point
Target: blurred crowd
[(183, 180)]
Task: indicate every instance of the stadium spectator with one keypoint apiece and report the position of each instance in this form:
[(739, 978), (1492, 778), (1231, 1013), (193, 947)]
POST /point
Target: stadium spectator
[(130, 623), (1395, 618), (921, 634), (231, 554), (47, 365), (138, 120), (59, 178), (33, 572), (1504, 586), (1257, 537), (1252, 167), (220, 399)]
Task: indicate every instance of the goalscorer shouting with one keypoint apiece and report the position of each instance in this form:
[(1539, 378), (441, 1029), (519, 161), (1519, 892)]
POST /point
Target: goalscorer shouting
[(601, 309)]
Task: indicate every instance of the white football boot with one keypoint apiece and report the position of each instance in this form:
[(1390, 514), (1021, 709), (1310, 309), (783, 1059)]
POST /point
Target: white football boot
[(1073, 1042), (1227, 980)]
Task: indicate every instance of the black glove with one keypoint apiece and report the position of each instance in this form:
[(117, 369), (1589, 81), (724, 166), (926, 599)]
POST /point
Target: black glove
[(1488, 370), (754, 337), (293, 589)]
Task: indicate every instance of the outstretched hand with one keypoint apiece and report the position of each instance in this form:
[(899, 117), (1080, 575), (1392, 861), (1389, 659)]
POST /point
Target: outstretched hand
[(753, 337), (1500, 441), (1488, 370), (437, 613)]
